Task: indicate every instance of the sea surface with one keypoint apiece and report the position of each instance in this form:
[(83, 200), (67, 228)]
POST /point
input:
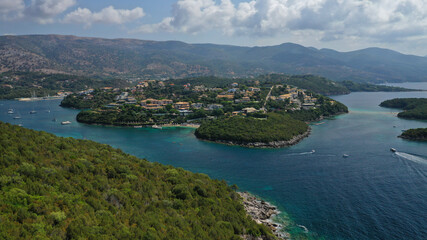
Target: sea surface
[(372, 194)]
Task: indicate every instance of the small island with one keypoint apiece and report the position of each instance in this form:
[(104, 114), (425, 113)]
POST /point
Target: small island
[(417, 134), (414, 108), (273, 130)]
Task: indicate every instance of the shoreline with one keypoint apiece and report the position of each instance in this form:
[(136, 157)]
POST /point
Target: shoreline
[(263, 212), (273, 144)]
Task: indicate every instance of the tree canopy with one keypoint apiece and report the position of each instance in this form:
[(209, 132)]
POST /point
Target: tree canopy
[(63, 188)]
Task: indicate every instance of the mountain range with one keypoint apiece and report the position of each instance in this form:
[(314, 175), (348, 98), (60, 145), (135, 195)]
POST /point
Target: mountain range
[(131, 58)]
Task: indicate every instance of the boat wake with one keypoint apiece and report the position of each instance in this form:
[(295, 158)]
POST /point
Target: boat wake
[(411, 157), (298, 154)]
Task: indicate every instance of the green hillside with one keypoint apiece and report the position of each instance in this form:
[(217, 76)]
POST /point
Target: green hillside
[(63, 188)]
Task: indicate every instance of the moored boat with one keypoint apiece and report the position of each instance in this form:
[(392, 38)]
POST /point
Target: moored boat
[(156, 127), (65, 122)]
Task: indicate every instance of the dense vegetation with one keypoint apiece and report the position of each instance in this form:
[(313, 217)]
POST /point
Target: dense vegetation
[(312, 83), (100, 98), (23, 84), (326, 109), (417, 134), (63, 188), (367, 87), (276, 127), (415, 108)]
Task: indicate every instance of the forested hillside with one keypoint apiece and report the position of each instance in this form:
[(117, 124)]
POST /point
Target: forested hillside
[(63, 188), (150, 59)]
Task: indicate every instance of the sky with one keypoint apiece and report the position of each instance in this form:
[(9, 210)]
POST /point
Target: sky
[(343, 25)]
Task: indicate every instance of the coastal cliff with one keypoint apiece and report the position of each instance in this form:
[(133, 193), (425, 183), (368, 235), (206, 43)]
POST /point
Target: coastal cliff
[(262, 212)]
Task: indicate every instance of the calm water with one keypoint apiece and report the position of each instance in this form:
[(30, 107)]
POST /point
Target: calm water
[(373, 194)]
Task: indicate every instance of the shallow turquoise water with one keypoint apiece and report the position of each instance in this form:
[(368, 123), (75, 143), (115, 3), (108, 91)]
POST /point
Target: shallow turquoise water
[(373, 194)]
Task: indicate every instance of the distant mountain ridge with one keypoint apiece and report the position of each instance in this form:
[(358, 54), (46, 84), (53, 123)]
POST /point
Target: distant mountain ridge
[(172, 59)]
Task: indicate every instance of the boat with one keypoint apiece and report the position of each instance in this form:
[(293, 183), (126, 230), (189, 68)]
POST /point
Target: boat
[(345, 155), (137, 126), (313, 151), (156, 127), (393, 149), (10, 111), (17, 117), (65, 122), (33, 112)]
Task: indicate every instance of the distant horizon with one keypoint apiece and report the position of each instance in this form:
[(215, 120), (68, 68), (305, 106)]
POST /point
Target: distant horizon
[(211, 43), (344, 26)]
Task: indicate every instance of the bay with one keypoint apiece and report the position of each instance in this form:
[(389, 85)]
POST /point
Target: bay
[(372, 194)]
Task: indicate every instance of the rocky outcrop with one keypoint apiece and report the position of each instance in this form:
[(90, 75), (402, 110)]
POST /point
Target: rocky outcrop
[(262, 212), (273, 144)]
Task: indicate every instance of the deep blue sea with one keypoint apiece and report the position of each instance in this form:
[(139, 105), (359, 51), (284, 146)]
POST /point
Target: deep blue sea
[(372, 194)]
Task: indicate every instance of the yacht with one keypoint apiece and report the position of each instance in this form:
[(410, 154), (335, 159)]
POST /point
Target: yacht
[(393, 149), (65, 122), (33, 112), (345, 155), (10, 111), (17, 117)]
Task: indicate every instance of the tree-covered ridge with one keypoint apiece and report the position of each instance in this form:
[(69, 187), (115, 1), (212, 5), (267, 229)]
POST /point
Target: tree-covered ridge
[(415, 108), (63, 188), (24, 84), (367, 87), (417, 134), (276, 127)]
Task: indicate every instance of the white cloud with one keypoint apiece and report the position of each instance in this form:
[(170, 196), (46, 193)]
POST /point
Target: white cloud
[(107, 15), (385, 20), (10, 9), (44, 11)]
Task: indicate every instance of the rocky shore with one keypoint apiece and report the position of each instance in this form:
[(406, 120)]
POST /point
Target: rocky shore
[(273, 144), (263, 213)]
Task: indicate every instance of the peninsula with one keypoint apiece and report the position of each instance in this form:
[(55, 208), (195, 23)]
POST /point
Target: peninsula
[(263, 112), (417, 134), (414, 108)]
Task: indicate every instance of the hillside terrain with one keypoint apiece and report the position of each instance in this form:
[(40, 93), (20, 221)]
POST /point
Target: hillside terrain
[(63, 188), (25, 84), (150, 59)]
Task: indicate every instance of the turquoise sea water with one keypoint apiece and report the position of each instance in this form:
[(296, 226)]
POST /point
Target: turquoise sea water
[(372, 194)]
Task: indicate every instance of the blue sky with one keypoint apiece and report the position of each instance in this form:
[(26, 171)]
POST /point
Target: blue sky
[(343, 25)]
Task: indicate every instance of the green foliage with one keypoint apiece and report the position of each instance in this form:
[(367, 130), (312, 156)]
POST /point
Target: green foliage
[(327, 108), (63, 188), (417, 134), (312, 83), (367, 87), (25, 83), (415, 108), (277, 127), (77, 101)]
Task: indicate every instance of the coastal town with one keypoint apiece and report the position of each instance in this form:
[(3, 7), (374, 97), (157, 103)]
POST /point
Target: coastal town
[(155, 102)]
